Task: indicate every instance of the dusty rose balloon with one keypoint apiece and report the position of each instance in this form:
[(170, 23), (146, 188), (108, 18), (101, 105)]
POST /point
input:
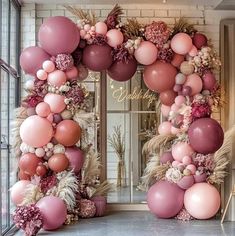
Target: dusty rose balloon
[(76, 158), (68, 133), (178, 121), (41, 74), (193, 52), (177, 88), (181, 43), (58, 162), (205, 135), (160, 76), (53, 211), (23, 176), (186, 182), (97, 57), (121, 71), (28, 163), (200, 178), (55, 101), (48, 66), (165, 110), (177, 60), (58, 35), (199, 40), (72, 73), (181, 150), (18, 191), (195, 82), (36, 131), (41, 170), (202, 201), (165, 199), (187, 160), (57, 78), (114, 37), (164, 128), (57, 118), (43, 109), (186, 91), (101, 28), (179, 100), (174, 107), (168, 97), (100, 204), (146, 53), (31, 59), (175, 163), (192, 168), (166, 157), (209, 81)]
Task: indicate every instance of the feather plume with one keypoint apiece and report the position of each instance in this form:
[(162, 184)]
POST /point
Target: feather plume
[(32, 194), (102, 189)]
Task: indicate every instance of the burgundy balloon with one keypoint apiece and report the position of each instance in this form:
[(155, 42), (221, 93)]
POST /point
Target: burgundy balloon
[(186, 91), (31, 59), (166, 157), (57, 118), (97, 57), (76, 158), (165, 199), (59, 34), (199, 40), (209, 81), (205, 135), (122, 71), (160, 76), (168, 97)]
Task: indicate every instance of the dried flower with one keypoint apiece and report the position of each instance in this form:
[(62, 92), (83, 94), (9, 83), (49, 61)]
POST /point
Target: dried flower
[(165, 54), (87, 208), (200, 110), (98, 39), (64, 62), (32, 100), (204, 163), (173, 175), (48, 183), (76, 95), (77, 56), (121, 53), (184, 215)]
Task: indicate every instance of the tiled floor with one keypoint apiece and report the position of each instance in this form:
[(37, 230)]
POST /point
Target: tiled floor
[(142, 224)]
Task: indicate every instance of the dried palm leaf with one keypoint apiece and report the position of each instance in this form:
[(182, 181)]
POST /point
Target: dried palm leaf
[(102, 189), (114, 17), (133, 29), (116, 12)]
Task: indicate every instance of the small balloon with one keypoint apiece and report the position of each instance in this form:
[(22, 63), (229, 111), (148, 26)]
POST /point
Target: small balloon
[(43, 109), (114, 37), (75, 157), (101, 28), (48, 66), (177, 60), (181, 43), (41, 74), (55, 101), (186, 90), (180, 78), (195, 82), (57, 78), (199, 40), (168, 97), (58, 162), (180, 150), (72, 73)]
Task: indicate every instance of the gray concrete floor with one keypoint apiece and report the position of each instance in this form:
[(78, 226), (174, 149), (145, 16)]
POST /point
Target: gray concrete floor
[(142, 224)]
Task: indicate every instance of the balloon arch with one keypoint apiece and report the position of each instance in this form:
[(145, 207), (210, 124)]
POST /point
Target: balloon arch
[(58, 168)]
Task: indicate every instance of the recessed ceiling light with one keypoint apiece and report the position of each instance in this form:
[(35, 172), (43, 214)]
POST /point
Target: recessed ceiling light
[(164, 1)]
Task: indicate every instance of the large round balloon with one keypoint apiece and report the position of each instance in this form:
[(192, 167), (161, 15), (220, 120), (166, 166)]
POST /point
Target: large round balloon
[(36, 131), (68, 133), (165, 199), (53, 211), (181, 43), (31, 59), (195, 83), (58, 34), (180, 150), (58, 162), (55, 101), (97, 57), (76, 158), (122, 71), (205, 135), (160, 76), (202, 201)]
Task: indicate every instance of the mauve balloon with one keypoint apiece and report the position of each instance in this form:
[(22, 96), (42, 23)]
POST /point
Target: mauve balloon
[(97, 57), (186, 182), (209, 81), (76, 158), (166, 157), (122, 71), (205, 135), (199, 40), (168, 97)]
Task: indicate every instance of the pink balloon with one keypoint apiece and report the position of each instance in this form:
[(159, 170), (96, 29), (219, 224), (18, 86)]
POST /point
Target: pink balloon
[(114, 37), (202, 201), (181, 150), (186, 182), (58, 35), (175, 163), (101, 28), (200, 178), (146, 53), (193, 52), (209, 81), (179, 100), (31, 59), (72, 73), (165, 128), (50, 117), (18, 191), (192, 168), (195, 83), (53, 211), (48, 66), (174, 107), (165, 110), (41, 74), (56, 102), (177, 60), (82, 72), (175, 130), (57, 78), (76, 158), (43, 109), (166, 157), (181, 43), (187, 160), (36, 131)]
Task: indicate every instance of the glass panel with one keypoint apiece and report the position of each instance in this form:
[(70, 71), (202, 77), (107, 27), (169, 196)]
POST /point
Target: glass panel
[(5, 30), (13, 35)]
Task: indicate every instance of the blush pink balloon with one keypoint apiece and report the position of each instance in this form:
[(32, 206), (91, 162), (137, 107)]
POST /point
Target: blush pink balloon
[(177, 60), (50, 117), (114, 37), (174, 107), (175, 130), (193, 52), (192, 168), (72, 73), (53, 211), (56, 102), (48, 66), (76, 158), (175, 163), (202, 201), (164, 128), (43, 109), (195, 83), (57, 78), (36, 131), (146, 53), (181, 150), (186, 182), (18, 191), (165, 110), (101, 28), (187, 160), (41, 74), (181, 43), (179, 100)]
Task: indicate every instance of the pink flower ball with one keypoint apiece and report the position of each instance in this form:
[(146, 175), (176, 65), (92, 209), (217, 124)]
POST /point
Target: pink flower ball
[(87, 27), (48, 66), (42, 74), (57, 78), (101, 28), (192, 168), (179, 100), (43, 109), (187, 160)]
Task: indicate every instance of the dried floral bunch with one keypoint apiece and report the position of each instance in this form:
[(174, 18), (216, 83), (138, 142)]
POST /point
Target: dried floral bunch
[(132, 29), (114, 17), (184, 215), (121, 53)]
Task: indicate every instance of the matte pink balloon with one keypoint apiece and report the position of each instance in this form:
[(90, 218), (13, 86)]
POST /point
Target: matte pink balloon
[(31, 59), (175, 130), (58, 35), (165, 110), (101, 28), (165, 199), (18, 191), (43, 109), (53, 211), (56, 102), (193, 52), (187, 160), (36, 131), (160, 76), (195, 82), (146, 53), (177, 60), (186, 182), (165, 128), (166, 157), (202, 201), (41, 74), (48, 66), (175, 163), (209, 81), (200, 178), (168, 97), (174, 107), (114, 37), (76, 158), (179, 100), (192, 168), (72, 73), (181, 150), (181, 43), (57, 78)]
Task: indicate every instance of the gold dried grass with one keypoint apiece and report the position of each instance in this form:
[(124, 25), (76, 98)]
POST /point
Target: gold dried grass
[(103, 189), (132, 29)]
